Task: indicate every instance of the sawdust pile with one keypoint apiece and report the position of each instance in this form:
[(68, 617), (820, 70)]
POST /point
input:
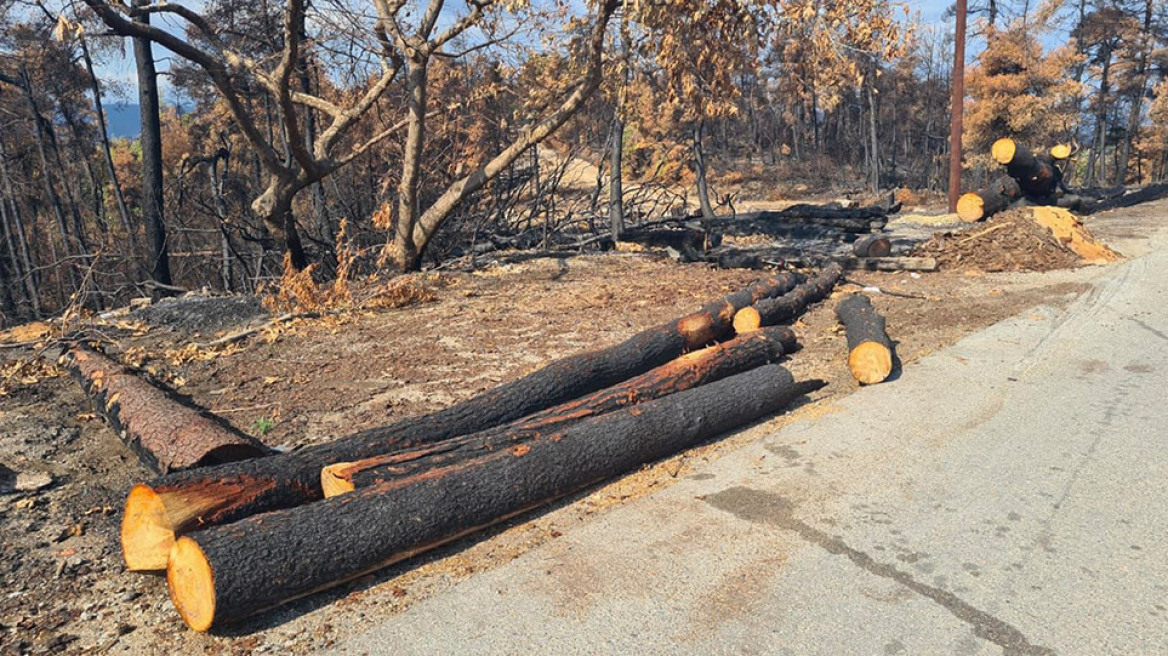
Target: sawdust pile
[(1026, 239)]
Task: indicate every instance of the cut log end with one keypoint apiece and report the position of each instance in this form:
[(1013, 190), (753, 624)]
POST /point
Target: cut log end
[(747, 320), (147, 535), (970, 207), (1003, 150), (872, 246), (336, 480), (870, 362), (192, 584), (154, 516), (1061, 151)]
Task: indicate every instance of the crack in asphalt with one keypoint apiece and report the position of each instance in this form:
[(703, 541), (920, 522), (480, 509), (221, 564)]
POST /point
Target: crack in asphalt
[(768, 508)]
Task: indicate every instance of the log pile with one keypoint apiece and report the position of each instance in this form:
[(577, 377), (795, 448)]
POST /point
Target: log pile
[(157, 511), (227, 573), (1038, 180), (267, 534), (618, 408)]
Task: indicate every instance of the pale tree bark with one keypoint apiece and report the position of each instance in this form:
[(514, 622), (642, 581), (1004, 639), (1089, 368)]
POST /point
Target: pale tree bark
[(407, 257), (707, 208), (309, 160), (616, 195), (107, 153)]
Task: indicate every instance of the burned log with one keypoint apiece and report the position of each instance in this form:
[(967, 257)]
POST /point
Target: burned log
[(166, 433), (687, 372), (188, 501), (226, 573), (774, 311), (872, 246), (869, 348), (861, 222), (1038, 177), (684, 244), (1144, 195), (984, 203), (749, 259), (894, 263)]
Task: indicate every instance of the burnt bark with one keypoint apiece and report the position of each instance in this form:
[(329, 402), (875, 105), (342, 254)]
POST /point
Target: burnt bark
[(230, 492), (687, 372), (268, 560), (995, 197), (1037, 176), (1144, 195), (774, 311), (151, 140), (165, 433), (869, 348)]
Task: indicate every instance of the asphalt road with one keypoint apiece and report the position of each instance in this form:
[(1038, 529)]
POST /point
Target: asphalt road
[(1008, 495)]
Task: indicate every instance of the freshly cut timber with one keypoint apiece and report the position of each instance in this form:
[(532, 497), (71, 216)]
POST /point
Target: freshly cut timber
[(1037, 176), (774, 311), (1061, 151), (226, 573), (872, 246), (687, 372), (984, 203), (869, 349), (187, 501), (165, 433)]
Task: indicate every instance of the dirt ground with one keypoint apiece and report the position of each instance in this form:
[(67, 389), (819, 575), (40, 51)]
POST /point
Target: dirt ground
[(63, 588)]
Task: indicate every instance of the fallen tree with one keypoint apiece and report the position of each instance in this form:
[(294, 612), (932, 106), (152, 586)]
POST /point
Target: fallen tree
[(774, 311), (687, 372), (187, 501), (984, 203), (226, 573), (165, 433), (869, 348)]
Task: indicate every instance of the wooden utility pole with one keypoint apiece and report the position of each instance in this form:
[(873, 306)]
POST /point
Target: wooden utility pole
[(958, 108)]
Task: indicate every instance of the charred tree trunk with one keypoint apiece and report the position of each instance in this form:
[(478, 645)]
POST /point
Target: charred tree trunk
[(30, 274), (227, 573), (616, 194), (151, 140), (984, 203), (1036, 176), (165, 433), (687, 372), (187, 501), (774, 311), (869, 348), (107, 155)]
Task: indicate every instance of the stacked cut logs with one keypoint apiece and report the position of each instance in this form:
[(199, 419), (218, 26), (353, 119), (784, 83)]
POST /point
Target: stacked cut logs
[(240, 537), (1038, 180)]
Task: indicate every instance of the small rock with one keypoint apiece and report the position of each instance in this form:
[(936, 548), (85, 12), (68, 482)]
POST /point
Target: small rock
[(130, 595), (31, 481), (124, 628)]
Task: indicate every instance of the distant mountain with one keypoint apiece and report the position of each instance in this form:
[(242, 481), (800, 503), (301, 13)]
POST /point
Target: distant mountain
[(122, 119)]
